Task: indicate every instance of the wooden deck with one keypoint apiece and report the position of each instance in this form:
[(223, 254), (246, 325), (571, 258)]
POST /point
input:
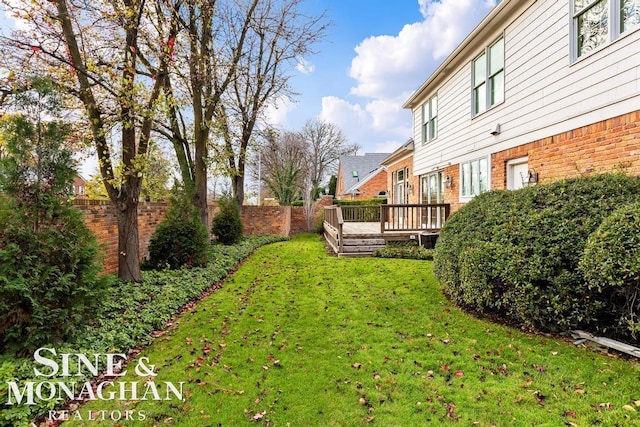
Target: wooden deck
[(372, 229), (360, 230)]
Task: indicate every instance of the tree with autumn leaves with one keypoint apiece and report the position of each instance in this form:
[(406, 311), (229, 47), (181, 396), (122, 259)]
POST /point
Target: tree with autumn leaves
[(134, 68)]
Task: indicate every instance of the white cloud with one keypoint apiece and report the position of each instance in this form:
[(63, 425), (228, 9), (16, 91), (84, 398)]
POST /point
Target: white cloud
[(365, 126), (387, 146), (387, 65), (388, 68), (276, 113), (351, 118), (304, 66)]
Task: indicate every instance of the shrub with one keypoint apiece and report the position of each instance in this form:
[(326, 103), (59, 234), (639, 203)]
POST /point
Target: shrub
[(48, 276), (516, 253), (363, 202), (611, 266), (227, 224), (48, 267), (181, 239)]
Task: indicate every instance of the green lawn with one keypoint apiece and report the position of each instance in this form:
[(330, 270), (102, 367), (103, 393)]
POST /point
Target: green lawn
[(297, 337)]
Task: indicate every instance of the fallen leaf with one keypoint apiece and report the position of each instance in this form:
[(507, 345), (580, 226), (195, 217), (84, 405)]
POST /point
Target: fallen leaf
[(357, 365), (259, 416), (629, 408)]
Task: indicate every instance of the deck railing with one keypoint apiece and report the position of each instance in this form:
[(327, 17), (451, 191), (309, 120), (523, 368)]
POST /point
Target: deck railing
[(361, 213), (413, 217), (333, 217)]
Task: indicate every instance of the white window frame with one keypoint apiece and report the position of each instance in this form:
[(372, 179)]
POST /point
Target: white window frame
[(467, 188), (511, 178), (486, 84), (614, 25), (430, 119)]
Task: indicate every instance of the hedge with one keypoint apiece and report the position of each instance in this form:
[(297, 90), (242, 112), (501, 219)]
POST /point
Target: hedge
[(362, 202), (516, 254), (611, 267)]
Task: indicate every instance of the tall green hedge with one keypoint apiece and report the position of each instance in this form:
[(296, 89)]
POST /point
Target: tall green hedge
[(362, 202), (516, 254), (611, 266)]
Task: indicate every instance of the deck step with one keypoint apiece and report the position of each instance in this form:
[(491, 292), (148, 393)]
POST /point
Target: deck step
[(355, 249), (363, 242)]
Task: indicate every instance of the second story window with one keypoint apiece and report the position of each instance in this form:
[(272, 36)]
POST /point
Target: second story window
[(592, 22), (629, 15), (430, 120), (488, 77), (597, 22)]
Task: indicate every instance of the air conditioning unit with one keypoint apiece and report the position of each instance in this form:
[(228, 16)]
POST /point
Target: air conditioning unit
[(428, 239)]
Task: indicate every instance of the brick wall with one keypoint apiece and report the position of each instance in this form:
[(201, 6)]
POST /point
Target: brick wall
[(100, 217), (266, 220)]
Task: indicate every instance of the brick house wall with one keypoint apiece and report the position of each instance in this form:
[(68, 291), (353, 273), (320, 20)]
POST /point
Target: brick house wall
[(412, 187), (368, 190), (373, 186), (605, 146)]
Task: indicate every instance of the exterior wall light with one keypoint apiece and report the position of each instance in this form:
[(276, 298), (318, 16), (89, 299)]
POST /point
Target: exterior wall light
[(448, 181)]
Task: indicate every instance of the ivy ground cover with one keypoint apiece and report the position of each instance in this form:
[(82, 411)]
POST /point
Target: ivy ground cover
[(297, 337)]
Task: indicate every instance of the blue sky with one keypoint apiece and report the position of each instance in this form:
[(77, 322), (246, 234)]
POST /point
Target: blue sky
[(373, 57)]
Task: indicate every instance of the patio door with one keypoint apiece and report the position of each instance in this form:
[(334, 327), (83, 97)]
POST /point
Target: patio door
[(432, 193), (399, 194)]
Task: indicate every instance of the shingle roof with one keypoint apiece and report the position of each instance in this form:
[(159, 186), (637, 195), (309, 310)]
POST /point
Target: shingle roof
[(362, 165)]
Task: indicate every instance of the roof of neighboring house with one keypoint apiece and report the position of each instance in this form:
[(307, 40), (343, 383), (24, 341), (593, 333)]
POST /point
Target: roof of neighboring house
[(365, 167), (501, 14), (403, 151), (356, 187)]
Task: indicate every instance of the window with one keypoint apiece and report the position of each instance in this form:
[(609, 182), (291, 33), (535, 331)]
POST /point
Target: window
[(488, 77), (597, 22), (474, 177), (629, 15), (430, 120)]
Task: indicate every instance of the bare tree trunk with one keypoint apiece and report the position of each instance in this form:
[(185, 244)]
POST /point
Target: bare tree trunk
[(128, 243), (200, 194), (238, 189)]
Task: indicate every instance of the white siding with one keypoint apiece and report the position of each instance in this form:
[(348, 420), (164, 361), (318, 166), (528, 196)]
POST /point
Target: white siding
[(545, 93)]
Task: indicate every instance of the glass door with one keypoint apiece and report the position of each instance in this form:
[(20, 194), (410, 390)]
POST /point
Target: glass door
[(432, 194)]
